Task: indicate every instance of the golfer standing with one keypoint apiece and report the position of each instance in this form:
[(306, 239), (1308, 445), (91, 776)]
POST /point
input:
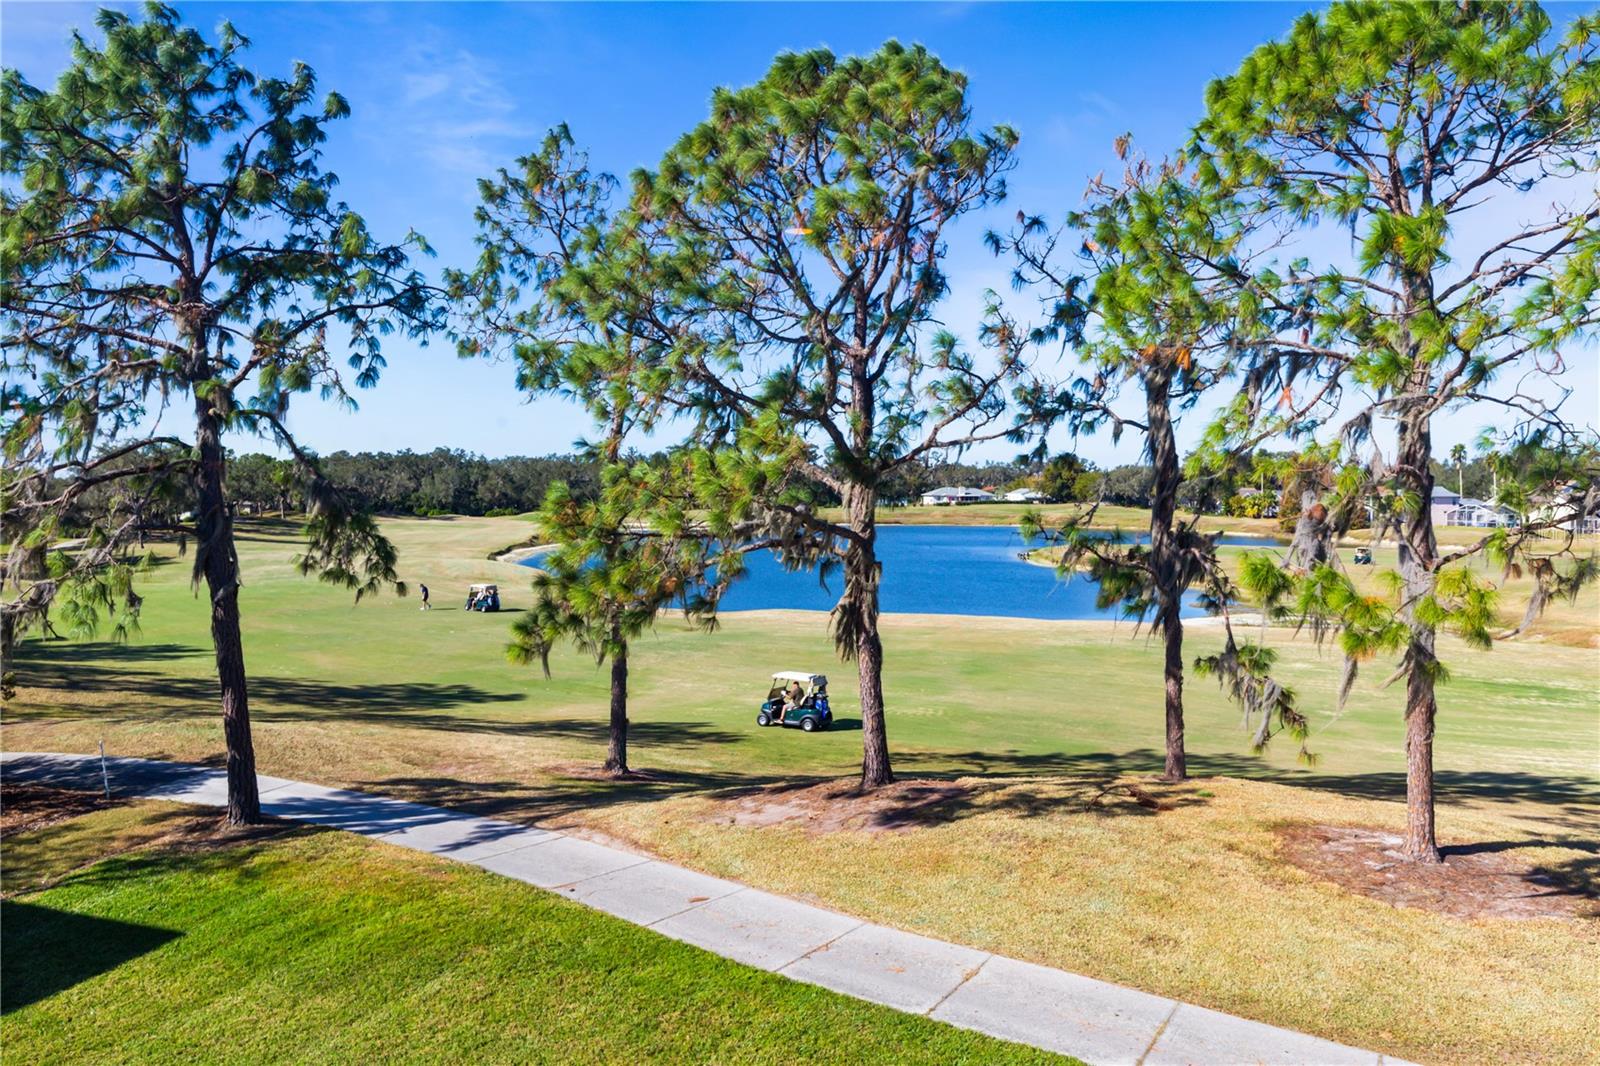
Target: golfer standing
[(426, 606)]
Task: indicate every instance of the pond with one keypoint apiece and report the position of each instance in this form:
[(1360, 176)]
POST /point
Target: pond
[(964, 570)]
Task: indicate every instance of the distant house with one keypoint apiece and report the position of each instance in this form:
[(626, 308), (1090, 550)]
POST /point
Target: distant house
[(1561, 508), (1024, 496), (1443, 503), (954, 496), (1479, 513)]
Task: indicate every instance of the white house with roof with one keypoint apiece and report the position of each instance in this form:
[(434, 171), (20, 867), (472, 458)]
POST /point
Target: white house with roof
[(1453, 509), (1025, 495), (1480, 513), (952, 495), (1561, 507)]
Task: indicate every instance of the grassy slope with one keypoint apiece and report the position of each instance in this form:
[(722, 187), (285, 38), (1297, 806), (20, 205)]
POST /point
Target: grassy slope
[(1194, 903), (311, 945), (384, 697)]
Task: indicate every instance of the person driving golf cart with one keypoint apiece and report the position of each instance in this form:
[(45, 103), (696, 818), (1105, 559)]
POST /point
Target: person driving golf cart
[(1363, 556), (483, 598), (796, 699)]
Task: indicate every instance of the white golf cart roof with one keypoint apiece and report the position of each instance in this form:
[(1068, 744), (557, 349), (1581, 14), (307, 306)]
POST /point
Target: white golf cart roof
[(800, 676), (485, 588)]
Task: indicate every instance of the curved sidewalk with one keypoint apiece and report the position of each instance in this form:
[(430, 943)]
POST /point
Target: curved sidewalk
[(1096, 1021)]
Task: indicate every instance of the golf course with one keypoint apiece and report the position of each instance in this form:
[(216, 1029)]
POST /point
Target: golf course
[(746, 533), (1026, 820)]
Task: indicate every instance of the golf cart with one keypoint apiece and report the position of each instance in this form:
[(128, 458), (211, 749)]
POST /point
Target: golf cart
[(797, 699), (1363, 556), (483, 598)]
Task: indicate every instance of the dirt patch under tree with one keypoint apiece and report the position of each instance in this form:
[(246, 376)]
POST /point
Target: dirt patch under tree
[(840, 805), (25, 807), (1473, 881)]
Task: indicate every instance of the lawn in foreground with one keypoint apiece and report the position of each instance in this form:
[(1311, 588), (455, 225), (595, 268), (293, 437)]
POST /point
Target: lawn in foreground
[(295, 944)]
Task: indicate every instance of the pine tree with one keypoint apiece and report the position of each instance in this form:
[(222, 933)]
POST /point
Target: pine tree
[(170, 233), (1164, 303), (1405, 123), (805, 223), (553, 291)]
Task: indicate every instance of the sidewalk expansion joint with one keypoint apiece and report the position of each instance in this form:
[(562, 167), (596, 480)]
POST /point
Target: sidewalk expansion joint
[(969, 975), (591, 877), (1159, 1030), (820, 947), (696, 906)]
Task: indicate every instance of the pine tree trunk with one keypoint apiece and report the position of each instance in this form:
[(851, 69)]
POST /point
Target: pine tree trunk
[(1418, 555), (1164, 562), (220, 565), (617, 734), (1177, 766), (861, 599)]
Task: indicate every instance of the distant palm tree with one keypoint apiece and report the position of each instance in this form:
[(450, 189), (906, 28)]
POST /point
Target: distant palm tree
[(1458, 456)]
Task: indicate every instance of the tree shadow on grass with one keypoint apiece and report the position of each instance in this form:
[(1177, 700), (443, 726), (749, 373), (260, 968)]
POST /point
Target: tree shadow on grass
[(1579, 876), (81, 668), (48, 950), (1088, 785), (1563, 800), (559, 799), (1567, 800), (563, 796), (37, 654), (403, 704)]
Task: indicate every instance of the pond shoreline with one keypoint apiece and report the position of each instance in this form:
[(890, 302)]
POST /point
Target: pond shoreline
[(518, 555)]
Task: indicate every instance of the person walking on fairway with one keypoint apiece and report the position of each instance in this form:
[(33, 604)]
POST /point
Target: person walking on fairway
[(426, 606)]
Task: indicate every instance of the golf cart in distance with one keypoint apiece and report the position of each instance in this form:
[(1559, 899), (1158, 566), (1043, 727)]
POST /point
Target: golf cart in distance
[(483, 598), (809, 712)]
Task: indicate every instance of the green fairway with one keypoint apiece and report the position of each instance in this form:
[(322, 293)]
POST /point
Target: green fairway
[(292, 944), (384, 695)]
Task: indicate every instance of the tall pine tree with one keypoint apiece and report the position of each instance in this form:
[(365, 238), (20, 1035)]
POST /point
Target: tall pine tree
[(1413, 126), (806, 222), (171, 235)]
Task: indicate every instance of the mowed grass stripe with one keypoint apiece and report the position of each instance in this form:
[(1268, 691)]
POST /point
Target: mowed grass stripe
[(313, 945)]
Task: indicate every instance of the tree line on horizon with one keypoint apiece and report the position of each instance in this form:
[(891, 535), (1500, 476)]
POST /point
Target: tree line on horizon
[(451, 481), (773, 285), (448, 481)]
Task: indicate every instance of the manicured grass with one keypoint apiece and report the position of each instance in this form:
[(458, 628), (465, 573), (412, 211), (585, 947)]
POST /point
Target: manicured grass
[(1195, 902), (1190, 902), (383, 695), (305, 945)]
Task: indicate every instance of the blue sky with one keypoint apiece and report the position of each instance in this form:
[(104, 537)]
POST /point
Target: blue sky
[(441, 94)]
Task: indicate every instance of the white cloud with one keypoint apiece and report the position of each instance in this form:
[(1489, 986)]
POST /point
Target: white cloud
[(1093, 123), (421, 87), (452, 110)]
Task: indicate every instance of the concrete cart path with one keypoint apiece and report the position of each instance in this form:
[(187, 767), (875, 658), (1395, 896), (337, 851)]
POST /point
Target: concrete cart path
[(1098, 1022)]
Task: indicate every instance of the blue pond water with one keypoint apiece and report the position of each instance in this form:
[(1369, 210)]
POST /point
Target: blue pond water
[(972, 570)]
